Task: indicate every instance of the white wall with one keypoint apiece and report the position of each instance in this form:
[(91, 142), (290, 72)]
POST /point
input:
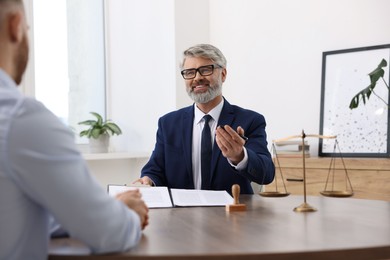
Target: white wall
[(116, 171), (192, 26), (141, 69), (274, 51), (141, 80)]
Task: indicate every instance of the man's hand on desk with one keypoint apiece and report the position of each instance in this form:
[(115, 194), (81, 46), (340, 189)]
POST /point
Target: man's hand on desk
[(132, 199), (145, 181)]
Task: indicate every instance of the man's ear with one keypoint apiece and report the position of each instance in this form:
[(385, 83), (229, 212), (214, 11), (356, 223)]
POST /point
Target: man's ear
[(224, 73), (15, 26)]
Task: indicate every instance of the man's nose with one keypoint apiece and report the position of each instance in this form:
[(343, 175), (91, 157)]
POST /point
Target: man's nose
[(198, 75)]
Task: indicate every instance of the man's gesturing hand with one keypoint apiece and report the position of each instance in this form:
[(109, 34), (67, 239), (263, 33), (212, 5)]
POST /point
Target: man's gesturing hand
[(230, 142)]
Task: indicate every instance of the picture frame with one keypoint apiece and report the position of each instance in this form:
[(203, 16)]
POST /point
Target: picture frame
[(363, 131)]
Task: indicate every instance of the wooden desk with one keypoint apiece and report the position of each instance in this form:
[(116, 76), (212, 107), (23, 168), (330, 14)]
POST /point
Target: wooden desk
[(342, 228)]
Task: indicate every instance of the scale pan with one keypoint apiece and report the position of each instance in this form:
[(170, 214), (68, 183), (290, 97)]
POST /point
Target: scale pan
[(337, 193), (274, 194)]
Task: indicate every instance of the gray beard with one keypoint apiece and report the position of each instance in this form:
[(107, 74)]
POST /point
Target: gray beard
[(212, 92)]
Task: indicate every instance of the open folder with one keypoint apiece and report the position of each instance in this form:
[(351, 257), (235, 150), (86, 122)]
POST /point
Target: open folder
[(162, 197)]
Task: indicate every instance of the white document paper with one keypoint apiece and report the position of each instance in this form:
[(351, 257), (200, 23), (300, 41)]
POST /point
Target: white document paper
[(159, 197), (182, 197), (154, 197)]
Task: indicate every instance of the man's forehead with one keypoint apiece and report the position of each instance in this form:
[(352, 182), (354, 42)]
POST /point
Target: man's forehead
[(195, 61)]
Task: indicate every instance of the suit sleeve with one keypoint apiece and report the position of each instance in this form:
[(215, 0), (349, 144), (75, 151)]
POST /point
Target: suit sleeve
[(155, 167), (260, 168)]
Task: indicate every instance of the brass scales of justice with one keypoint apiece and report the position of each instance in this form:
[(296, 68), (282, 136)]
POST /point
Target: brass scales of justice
[(305, 207)]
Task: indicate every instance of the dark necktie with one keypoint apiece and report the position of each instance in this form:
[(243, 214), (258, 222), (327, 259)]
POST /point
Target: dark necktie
[(205, 151)]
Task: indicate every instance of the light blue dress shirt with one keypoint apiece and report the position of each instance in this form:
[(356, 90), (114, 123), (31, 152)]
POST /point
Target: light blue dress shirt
[(42, 174)]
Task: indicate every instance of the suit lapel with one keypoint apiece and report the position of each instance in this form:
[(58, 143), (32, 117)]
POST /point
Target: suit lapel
[(186, 129), (226, 118)]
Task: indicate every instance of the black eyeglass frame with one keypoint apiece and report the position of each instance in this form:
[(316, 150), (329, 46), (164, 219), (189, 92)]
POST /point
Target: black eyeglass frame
[(213, 66)]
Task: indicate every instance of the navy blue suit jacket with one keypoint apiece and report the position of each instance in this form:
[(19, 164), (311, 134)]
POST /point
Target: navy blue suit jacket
[(171, 161)]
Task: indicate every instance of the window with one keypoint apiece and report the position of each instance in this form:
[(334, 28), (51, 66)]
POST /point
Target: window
[(69, 58)]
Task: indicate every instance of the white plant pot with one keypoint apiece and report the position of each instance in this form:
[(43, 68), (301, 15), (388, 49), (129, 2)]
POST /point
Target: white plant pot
[(99, 145)]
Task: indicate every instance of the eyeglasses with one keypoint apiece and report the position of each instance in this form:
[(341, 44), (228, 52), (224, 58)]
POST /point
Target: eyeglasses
[(203, 70)]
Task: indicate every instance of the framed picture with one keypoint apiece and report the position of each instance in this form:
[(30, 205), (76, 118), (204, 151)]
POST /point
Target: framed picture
[(363, 131)]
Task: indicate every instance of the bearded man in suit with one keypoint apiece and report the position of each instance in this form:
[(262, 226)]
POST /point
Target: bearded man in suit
[(177, 160)]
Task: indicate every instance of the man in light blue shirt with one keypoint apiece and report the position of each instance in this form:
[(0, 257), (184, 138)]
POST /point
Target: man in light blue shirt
[(42, 174)]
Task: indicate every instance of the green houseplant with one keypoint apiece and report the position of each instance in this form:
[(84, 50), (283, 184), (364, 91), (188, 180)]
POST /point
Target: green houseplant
[(99, 132), (365, 94)]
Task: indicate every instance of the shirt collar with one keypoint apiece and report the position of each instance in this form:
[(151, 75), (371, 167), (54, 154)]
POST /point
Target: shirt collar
[(5, 79), (214, 113)]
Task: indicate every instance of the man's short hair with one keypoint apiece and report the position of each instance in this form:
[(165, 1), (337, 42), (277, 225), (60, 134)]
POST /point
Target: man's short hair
[(206, 51)]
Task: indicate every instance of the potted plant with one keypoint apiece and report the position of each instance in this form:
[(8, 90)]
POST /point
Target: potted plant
[(365, 94), (99, 133)]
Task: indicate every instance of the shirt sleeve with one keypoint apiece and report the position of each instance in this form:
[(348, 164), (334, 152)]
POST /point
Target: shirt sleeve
[(241, 165), (47, 166)]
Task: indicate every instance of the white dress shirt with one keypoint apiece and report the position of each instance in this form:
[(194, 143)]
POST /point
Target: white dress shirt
[(42, 174), (196, 141)]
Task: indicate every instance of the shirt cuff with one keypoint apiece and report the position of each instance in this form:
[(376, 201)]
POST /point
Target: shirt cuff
[(241, 165)]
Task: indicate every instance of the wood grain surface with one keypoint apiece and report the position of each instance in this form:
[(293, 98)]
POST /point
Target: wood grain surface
[(342, 228)]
